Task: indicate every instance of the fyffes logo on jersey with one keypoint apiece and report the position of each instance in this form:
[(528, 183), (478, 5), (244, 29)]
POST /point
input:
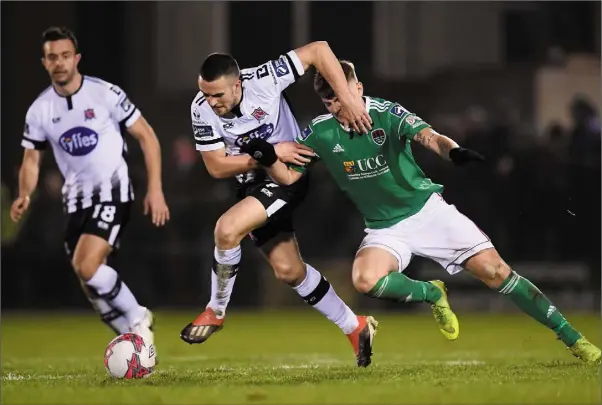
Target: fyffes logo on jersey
[(79, 141), (262, 132)]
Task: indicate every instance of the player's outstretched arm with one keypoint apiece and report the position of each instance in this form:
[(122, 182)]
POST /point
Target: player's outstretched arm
[(265, 154), (29, 174), (155, 200), (221, 166), (435, 142), (353, 113), (446, 147)]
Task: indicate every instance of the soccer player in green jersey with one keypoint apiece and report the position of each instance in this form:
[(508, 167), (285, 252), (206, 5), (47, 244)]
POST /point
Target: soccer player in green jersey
[(405, 214)]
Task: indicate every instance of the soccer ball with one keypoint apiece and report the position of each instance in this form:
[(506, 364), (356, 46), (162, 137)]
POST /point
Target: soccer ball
[(129, 356)]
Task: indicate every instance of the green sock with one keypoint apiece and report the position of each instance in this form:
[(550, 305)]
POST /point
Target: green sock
[(399, 287), (532, 302)]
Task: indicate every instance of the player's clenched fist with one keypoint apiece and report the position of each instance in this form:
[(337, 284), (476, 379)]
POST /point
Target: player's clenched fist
[(261, 150), (353, 114), (19, 206)]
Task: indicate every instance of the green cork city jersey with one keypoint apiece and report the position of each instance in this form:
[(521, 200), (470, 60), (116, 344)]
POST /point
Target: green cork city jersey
[(377, 170)]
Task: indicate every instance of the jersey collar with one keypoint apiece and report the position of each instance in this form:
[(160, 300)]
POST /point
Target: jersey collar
[(81, 84)]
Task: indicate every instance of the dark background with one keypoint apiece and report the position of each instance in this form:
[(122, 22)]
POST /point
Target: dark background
[(485, 74)]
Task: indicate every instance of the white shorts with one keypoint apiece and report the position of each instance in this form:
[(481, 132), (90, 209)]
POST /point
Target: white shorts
[(438, 231)]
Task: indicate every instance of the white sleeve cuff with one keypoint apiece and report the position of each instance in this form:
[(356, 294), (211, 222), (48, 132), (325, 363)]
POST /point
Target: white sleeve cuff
[(27, 144), (132, 118), (297, 62), (210, 147)]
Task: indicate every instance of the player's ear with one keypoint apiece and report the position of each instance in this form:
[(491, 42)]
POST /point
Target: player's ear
[(360, 88), (43, 59), (78, 57)]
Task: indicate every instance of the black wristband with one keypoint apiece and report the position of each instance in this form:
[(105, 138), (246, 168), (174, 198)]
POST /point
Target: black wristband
[(461, 156), (260, 150)]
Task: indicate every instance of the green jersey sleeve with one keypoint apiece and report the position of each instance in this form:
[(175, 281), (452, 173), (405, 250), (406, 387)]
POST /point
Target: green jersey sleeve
[(307, 138), (405, 123)]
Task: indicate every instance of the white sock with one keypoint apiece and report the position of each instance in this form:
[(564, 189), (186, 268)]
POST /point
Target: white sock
[(222, 286), (109, 315), (109, 286), (318, 292)]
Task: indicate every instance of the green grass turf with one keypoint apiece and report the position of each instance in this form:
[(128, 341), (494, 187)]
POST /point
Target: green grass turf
[(298, 357)]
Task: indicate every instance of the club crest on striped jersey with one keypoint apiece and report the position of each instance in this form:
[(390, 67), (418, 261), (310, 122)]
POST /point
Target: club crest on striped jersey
[(89, 114), (379, 136), (259, 114)]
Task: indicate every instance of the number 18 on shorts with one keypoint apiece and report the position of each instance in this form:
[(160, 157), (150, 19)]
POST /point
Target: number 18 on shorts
[(104, 219)]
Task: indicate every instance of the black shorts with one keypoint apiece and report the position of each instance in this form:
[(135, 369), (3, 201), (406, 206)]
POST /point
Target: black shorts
[(106, 220), (279, 203)]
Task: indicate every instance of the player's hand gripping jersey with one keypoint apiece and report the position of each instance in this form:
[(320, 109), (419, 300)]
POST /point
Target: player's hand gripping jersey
[(376, 170), (264, 111), (84, 132)]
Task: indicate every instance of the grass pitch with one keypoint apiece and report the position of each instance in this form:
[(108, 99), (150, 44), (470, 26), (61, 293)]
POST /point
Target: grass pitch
[(300, 358)]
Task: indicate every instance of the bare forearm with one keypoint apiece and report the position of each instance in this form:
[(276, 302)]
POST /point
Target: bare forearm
[(28, 179), (440, 144), (152, 158), (443, 145), (282, 174), (326, 62), (230, 166)]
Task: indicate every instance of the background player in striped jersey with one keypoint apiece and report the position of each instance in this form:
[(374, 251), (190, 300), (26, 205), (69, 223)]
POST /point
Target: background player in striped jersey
[(405, 214), (232, 106), (80, 117)]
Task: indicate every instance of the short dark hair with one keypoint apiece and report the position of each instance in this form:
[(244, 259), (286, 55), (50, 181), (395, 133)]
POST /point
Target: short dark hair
[(322, 87), (58, 33), (217, 65)]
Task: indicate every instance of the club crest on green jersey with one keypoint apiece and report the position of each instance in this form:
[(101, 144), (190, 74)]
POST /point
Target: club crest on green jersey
[(379, 136)]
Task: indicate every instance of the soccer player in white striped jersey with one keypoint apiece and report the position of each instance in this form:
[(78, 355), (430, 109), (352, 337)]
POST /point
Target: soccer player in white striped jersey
[(231, 107), (80, 117)]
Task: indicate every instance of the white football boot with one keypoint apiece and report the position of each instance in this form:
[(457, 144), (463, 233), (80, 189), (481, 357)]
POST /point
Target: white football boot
[(144, 328)]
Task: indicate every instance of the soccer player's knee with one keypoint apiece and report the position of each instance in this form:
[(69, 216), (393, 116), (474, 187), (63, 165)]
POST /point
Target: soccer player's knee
[(85, 267), (289, 272), (226, 233), (495, 273), (365, 279)]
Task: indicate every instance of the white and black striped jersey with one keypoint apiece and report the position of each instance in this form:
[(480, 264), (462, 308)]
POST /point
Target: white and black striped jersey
[(263, 111), (84, 130)]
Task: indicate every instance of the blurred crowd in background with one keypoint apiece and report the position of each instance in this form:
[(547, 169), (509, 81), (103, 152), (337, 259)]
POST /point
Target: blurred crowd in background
[(537, 195)]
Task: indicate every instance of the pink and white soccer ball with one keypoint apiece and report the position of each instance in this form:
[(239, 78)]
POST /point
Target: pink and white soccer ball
[(129, 356)]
